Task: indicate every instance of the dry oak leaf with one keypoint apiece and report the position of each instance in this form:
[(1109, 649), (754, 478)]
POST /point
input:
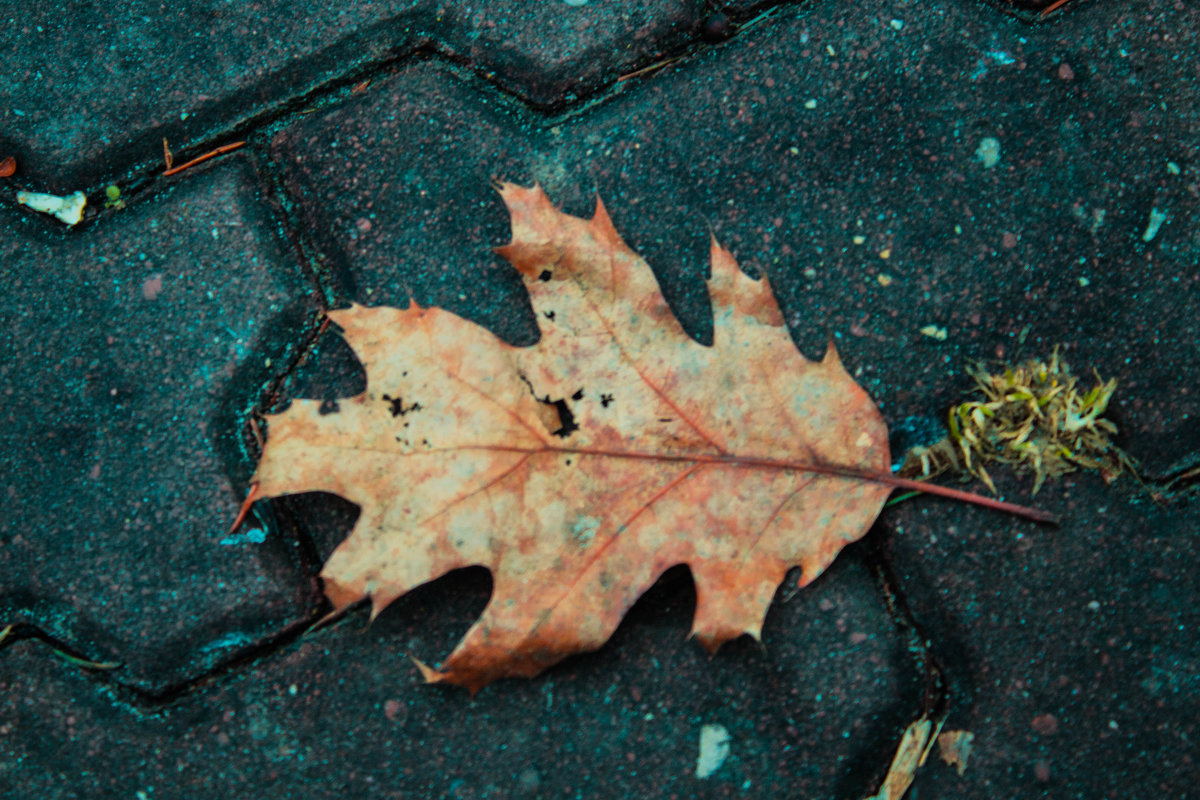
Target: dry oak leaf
[(581, 468)]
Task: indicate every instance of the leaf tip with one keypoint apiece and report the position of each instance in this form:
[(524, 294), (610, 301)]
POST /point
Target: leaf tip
[(601, 224), (338, 595), (251, 496), (709, 641), (431, 675), (428, 673), (831, 358), (339, 315), (729, 286), (515, 196)]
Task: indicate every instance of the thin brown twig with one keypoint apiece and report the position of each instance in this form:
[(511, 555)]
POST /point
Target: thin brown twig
[(651, 68), (1050, 9), (225, 148)]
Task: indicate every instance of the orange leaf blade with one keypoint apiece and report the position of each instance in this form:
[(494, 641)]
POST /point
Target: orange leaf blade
[(579, 469)]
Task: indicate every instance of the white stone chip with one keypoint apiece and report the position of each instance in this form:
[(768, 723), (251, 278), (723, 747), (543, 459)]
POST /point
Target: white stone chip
[(68, 210), (1157, 218), (988, 152), (714, 749)]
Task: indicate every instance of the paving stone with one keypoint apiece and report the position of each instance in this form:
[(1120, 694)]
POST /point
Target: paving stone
[(342, 711), (92, 93), (1070, 654), (130, 354), (821, 148), (818, 125)]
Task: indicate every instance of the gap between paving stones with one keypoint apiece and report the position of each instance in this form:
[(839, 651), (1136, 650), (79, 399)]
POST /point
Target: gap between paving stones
[(334, 92), (282, 642), (423, 47), (145, 171)]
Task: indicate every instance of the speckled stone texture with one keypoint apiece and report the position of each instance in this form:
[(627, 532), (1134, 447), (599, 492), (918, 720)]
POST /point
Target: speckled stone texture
[(130, 356), (889, 165), (341, 711), (1071, 655), (91, 93), (873, 211)]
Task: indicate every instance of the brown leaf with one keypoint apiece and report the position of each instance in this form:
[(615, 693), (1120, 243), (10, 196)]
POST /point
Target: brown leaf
[(955, 748), (579, 469), (8, 166)]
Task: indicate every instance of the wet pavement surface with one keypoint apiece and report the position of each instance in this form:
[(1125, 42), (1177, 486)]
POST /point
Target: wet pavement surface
[(1019, 182)]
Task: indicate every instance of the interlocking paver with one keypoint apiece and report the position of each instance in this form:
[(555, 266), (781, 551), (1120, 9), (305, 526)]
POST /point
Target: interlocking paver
[(1070, 655), (341, 712), (130, 355), (91, 94), (795, 143), (889, 164)]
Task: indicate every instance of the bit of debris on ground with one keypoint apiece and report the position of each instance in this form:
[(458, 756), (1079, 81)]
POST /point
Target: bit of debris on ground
[(68, 209), (1033, 417)]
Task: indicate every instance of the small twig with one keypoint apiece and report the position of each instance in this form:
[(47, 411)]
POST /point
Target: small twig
[(1050, 9), (901, 498), (168, 159), (764, 15), (85, 663), (330, 618), (225, 148), (655, 66)]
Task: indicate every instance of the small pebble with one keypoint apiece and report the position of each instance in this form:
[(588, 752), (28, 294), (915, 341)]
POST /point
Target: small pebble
[(1045, 724), (988, 152), (1157, 218), (934, 332), (717, 27), (714, 749), (152, 287)]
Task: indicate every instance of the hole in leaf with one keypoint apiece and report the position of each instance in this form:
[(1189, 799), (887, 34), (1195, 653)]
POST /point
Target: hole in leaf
[(398, 408), (566, 419), (555, 415)]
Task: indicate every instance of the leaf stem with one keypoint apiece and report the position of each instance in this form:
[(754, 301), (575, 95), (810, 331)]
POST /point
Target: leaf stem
[(901, 483), (836, 470)]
